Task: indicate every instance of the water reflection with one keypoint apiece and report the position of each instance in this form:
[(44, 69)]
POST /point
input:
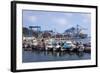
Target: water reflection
[(58, 54), (40, 56)]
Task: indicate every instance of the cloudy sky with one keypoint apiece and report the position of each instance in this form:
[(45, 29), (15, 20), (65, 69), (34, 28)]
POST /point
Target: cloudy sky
[(57, 21)]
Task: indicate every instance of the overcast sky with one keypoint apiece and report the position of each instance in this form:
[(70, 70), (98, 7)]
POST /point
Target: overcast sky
[(57, 21)]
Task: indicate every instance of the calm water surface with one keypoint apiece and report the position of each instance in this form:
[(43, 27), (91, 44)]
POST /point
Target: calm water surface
[(42, 56)]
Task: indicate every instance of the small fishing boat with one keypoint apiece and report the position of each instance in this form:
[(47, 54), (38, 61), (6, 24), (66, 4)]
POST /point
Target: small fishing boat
[(68, 45)]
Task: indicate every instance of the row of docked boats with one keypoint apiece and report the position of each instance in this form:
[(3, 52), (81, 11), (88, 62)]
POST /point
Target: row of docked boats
[(52, 44)]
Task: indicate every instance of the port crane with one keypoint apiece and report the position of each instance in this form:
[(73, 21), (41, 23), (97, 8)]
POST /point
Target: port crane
[(38, 29), (79, 33)]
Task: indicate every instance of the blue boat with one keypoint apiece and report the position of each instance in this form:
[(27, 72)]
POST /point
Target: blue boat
[(66, 46)]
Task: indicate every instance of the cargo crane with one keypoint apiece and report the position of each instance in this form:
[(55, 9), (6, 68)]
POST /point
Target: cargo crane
[(79, 33), (76, 32), (37, 27)]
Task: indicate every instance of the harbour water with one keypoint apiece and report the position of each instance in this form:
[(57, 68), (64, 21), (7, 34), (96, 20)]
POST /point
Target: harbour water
[(44, 56)]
